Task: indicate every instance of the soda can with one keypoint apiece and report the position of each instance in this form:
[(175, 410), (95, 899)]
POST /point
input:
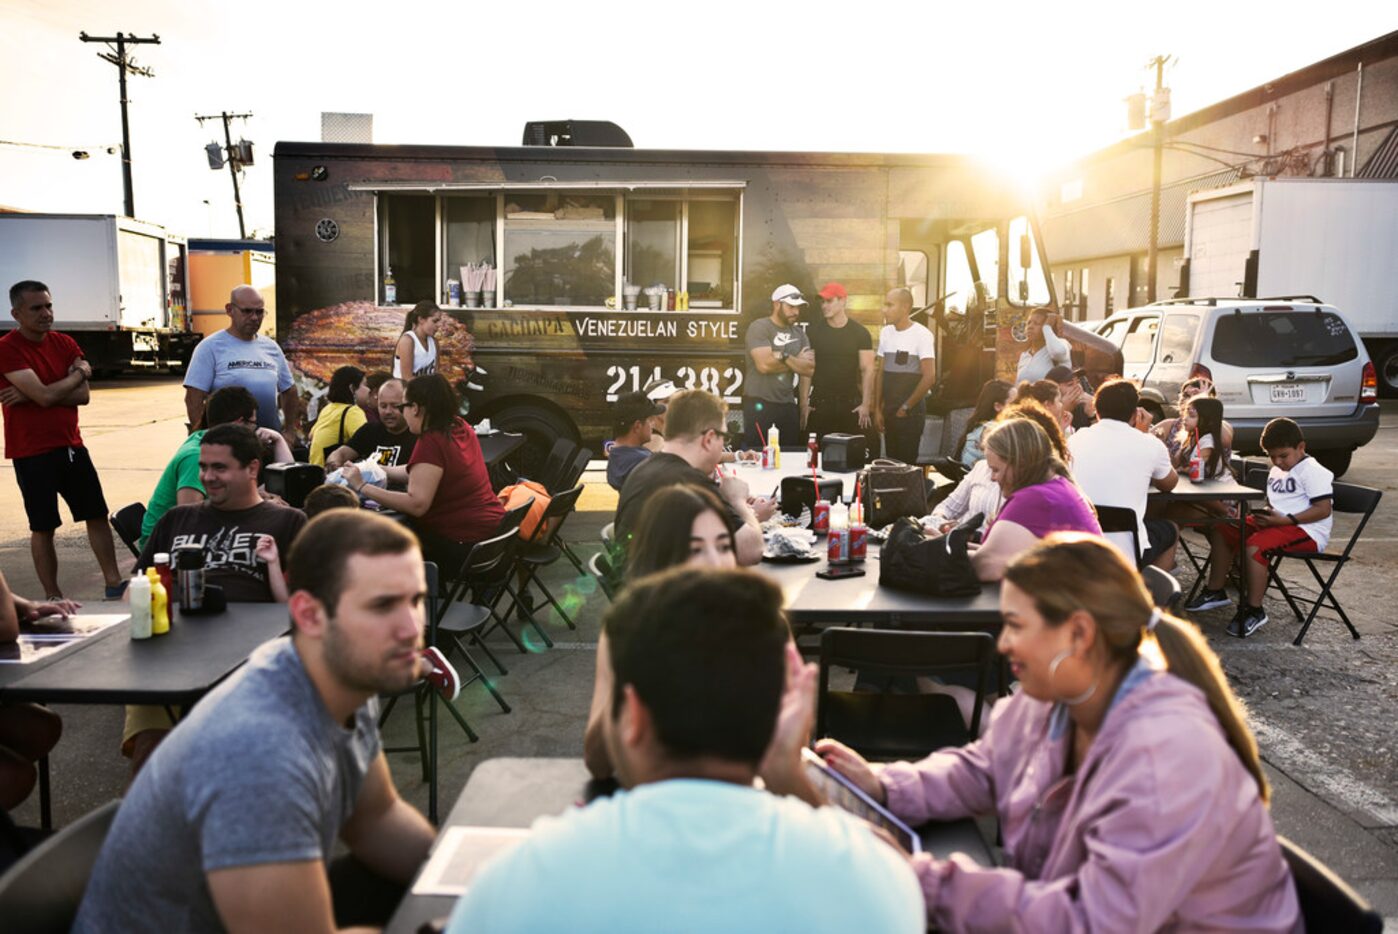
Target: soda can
[(837, 552), (858, 542), (820, 517)]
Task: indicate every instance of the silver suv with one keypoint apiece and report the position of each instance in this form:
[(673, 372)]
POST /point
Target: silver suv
[(1267, 358)]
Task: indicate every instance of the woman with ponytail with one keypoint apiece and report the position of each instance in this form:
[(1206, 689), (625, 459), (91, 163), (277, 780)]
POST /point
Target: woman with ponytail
[(1127, 784), (415, 354)]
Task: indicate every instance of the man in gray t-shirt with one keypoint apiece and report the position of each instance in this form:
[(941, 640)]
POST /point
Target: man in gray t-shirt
[(232, 821), (780, 363)]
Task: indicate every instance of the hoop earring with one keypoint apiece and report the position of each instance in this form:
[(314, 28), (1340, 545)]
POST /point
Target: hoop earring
[(1053, 670)]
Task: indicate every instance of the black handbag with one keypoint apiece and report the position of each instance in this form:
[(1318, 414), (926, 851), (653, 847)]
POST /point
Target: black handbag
[(937, 567), (890, 489)]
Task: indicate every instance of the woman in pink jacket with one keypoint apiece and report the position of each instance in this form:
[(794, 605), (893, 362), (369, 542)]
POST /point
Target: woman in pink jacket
[(1123, 773)]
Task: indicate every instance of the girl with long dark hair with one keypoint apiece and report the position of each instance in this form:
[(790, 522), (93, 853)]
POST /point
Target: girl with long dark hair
[(416, 352), (995, 395)]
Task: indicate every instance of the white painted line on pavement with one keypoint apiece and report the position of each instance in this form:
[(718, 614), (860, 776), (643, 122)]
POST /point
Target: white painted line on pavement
[(1336, 784)]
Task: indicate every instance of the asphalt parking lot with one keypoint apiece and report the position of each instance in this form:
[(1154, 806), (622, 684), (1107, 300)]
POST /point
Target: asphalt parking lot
[(1323, 713)]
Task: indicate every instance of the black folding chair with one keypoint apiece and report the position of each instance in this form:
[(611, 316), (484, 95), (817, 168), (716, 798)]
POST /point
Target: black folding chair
[(600, 567), (425, 695), (558, 463), (1351, 499), (1327, 903), (1121, 519), (126, 522), (41, 892), (464, 620), (571, 478), (539, 554), (885, 726)]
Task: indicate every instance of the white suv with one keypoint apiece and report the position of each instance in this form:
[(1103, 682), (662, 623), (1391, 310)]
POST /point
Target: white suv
[(1293, 357)]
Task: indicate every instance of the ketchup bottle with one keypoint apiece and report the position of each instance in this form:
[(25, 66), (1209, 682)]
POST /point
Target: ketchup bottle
[(812, 453)]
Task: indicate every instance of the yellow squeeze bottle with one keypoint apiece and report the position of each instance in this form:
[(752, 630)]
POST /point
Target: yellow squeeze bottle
[(159, 604)]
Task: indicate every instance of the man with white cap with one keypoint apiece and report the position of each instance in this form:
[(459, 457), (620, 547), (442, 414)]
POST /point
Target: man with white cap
[(658, 390), (779, 355)]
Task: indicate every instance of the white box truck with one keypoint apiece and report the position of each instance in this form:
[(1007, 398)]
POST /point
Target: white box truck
[(1332, 238), (119, 285)]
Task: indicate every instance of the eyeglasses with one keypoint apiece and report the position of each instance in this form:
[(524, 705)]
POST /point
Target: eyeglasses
[(259, 312), (400, 406)]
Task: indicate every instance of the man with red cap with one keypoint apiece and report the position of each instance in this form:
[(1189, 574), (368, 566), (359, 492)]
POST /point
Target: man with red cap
[(842, 387)]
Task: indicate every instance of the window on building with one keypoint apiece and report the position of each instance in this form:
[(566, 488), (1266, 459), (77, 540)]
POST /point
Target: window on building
[(712, 253), (1111, 295), (1082, 295), (408, 246), (560, 249), (912, 274), (470, 234)]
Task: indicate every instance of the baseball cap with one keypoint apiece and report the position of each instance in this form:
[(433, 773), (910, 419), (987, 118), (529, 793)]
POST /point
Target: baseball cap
[(788, 294), (833, 290), (631, 406)]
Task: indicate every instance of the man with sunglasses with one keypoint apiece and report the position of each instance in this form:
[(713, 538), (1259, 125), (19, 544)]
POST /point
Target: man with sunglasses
[(240, 356), (696, 424)]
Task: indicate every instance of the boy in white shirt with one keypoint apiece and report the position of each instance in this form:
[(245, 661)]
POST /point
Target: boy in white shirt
[(1297, 518)]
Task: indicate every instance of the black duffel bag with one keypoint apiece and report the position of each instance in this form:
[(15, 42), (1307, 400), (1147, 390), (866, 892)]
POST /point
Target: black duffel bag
[(938, 567)]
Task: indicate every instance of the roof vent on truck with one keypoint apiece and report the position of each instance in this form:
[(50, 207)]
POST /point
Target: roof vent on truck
[(576, 133)]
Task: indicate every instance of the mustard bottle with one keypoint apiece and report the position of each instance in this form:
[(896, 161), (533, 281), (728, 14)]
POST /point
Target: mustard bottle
[(159, 604)]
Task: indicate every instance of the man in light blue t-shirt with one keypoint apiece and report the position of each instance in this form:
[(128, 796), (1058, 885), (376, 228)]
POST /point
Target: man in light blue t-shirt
[(233, 821), (693, 672), (240, 356)]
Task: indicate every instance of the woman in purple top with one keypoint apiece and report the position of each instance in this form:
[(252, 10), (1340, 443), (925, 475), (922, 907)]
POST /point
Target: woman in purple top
[(1123, 773), (1040, 497)]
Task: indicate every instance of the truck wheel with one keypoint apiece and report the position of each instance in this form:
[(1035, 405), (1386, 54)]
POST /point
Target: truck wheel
[(541, 428), (1386, 363), (1336, 461)]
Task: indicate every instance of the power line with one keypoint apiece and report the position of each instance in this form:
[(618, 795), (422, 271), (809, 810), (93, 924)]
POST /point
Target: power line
[(125, 63)]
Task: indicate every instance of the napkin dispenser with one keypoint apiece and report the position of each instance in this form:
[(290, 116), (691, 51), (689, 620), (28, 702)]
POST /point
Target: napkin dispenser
[(798, 492), (292, 481), (840, 453)]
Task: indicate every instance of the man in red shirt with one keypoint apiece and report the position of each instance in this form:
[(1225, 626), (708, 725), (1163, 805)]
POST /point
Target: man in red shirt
[(43, 380)]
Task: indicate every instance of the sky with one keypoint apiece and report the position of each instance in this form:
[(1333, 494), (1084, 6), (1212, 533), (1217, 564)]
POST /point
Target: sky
[(1027, 85)]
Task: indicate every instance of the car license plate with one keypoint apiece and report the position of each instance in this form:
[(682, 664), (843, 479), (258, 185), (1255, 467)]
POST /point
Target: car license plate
[(1289, 392)]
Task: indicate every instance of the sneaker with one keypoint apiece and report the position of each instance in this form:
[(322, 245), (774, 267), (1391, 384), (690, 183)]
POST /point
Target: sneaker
[(1252, 619), (442, 675), (115, 592), (1235, 625), (1208, 600)]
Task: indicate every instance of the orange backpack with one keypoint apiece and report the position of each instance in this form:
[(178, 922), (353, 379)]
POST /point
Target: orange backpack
[(516, 495)]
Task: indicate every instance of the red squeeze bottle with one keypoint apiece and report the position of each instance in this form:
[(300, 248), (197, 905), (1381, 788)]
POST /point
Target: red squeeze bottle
[(167, 576), (813, 452)]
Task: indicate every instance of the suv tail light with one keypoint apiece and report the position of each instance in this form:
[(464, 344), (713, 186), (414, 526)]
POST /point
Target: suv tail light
[(1369, 385), (1200, 370)]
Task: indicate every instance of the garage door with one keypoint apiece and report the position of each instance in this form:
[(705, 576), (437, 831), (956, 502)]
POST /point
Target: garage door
[(1221, 238)]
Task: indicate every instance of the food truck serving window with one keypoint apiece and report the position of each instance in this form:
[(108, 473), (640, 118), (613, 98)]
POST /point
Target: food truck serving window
[(551, 247)]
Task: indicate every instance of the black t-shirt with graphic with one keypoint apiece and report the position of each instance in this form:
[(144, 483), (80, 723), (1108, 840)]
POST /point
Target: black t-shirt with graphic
[(229, 538), (375, 442), (836, 381)]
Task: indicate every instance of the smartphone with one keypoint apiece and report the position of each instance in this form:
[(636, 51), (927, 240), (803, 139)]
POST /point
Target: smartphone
[(837, 572)]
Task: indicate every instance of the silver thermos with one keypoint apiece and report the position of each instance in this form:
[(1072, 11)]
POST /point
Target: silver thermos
[(189, 575)]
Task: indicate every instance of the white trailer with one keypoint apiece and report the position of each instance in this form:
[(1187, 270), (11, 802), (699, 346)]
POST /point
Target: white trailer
[(1334, 239), (119, 285)]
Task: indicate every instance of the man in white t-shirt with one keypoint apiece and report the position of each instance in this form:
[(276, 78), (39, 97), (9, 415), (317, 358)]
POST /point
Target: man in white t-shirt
[(1046, 349), (240, 356), (693, 669), (1297, 517), (1116, 465), (906, 368)]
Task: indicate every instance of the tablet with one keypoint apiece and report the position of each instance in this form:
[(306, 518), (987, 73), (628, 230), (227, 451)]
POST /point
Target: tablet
[(848, 796)]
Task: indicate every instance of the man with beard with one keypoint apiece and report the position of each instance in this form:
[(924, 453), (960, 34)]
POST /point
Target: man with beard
[(231, 825), (388, 442), (778, 355)]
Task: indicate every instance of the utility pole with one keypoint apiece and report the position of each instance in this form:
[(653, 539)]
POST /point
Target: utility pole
[(1159, 114), (235, 163), (118, 57)]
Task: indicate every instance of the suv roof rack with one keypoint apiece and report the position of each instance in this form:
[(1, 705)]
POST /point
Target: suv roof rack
[(1292, 298), (1186, 301)]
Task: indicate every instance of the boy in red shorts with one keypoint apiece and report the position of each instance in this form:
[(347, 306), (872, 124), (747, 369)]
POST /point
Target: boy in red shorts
[(1296, 518)]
